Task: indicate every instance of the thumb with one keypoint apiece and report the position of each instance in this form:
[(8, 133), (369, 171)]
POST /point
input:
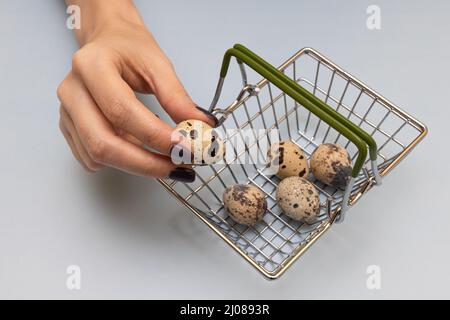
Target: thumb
[(175, 100)]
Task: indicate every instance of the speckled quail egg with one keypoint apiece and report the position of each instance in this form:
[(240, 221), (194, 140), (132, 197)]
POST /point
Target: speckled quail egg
[(286, 159), (298, 198), (331, 164), (205, 143), (246, 204)]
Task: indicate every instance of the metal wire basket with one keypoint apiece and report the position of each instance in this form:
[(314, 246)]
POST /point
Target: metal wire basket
[(309, 100)]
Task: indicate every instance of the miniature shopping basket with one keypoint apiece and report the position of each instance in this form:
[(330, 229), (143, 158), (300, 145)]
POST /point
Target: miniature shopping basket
[(309, 100)]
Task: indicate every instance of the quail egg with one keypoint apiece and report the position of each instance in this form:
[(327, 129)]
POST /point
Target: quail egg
[(245, 204), (205, 143), (331, 164), (298, 198), (286, 159)]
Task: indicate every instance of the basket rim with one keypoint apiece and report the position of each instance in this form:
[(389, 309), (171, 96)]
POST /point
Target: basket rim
[(325, 225)]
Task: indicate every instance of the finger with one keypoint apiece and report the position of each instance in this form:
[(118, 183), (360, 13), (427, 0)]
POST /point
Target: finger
[(128, 157), (129, 137), (106, 147), (71, 144), (121, 107), (174, 99), (84, 155)]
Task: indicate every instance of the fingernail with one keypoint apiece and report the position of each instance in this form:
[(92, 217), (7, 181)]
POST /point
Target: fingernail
[(183, 174), (209, 115), (180, 154)]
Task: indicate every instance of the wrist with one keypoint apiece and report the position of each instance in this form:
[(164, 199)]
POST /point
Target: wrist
[(97, 15)]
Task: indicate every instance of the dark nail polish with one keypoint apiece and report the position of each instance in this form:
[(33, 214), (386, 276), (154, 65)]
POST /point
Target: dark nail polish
[(179, 154), (183, 175), (210, 115)]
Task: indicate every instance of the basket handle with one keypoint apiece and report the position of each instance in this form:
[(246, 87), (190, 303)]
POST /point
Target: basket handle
[(357, 130), (332, 120)]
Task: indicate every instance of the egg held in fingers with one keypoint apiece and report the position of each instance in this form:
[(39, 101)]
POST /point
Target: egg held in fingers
[(206, 147)]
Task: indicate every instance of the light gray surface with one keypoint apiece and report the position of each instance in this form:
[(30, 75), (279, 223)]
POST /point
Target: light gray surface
[(132, 240)]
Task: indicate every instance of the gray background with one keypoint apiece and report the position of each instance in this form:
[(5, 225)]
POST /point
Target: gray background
[(132, 240)]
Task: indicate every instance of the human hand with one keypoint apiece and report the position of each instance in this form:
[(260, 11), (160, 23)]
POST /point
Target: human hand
[(101, 118)]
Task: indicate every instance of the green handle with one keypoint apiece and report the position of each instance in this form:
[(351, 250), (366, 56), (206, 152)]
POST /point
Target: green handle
[(294, 94), (360, 132)]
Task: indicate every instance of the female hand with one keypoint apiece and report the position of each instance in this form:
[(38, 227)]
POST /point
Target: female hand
[(101, 118)]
